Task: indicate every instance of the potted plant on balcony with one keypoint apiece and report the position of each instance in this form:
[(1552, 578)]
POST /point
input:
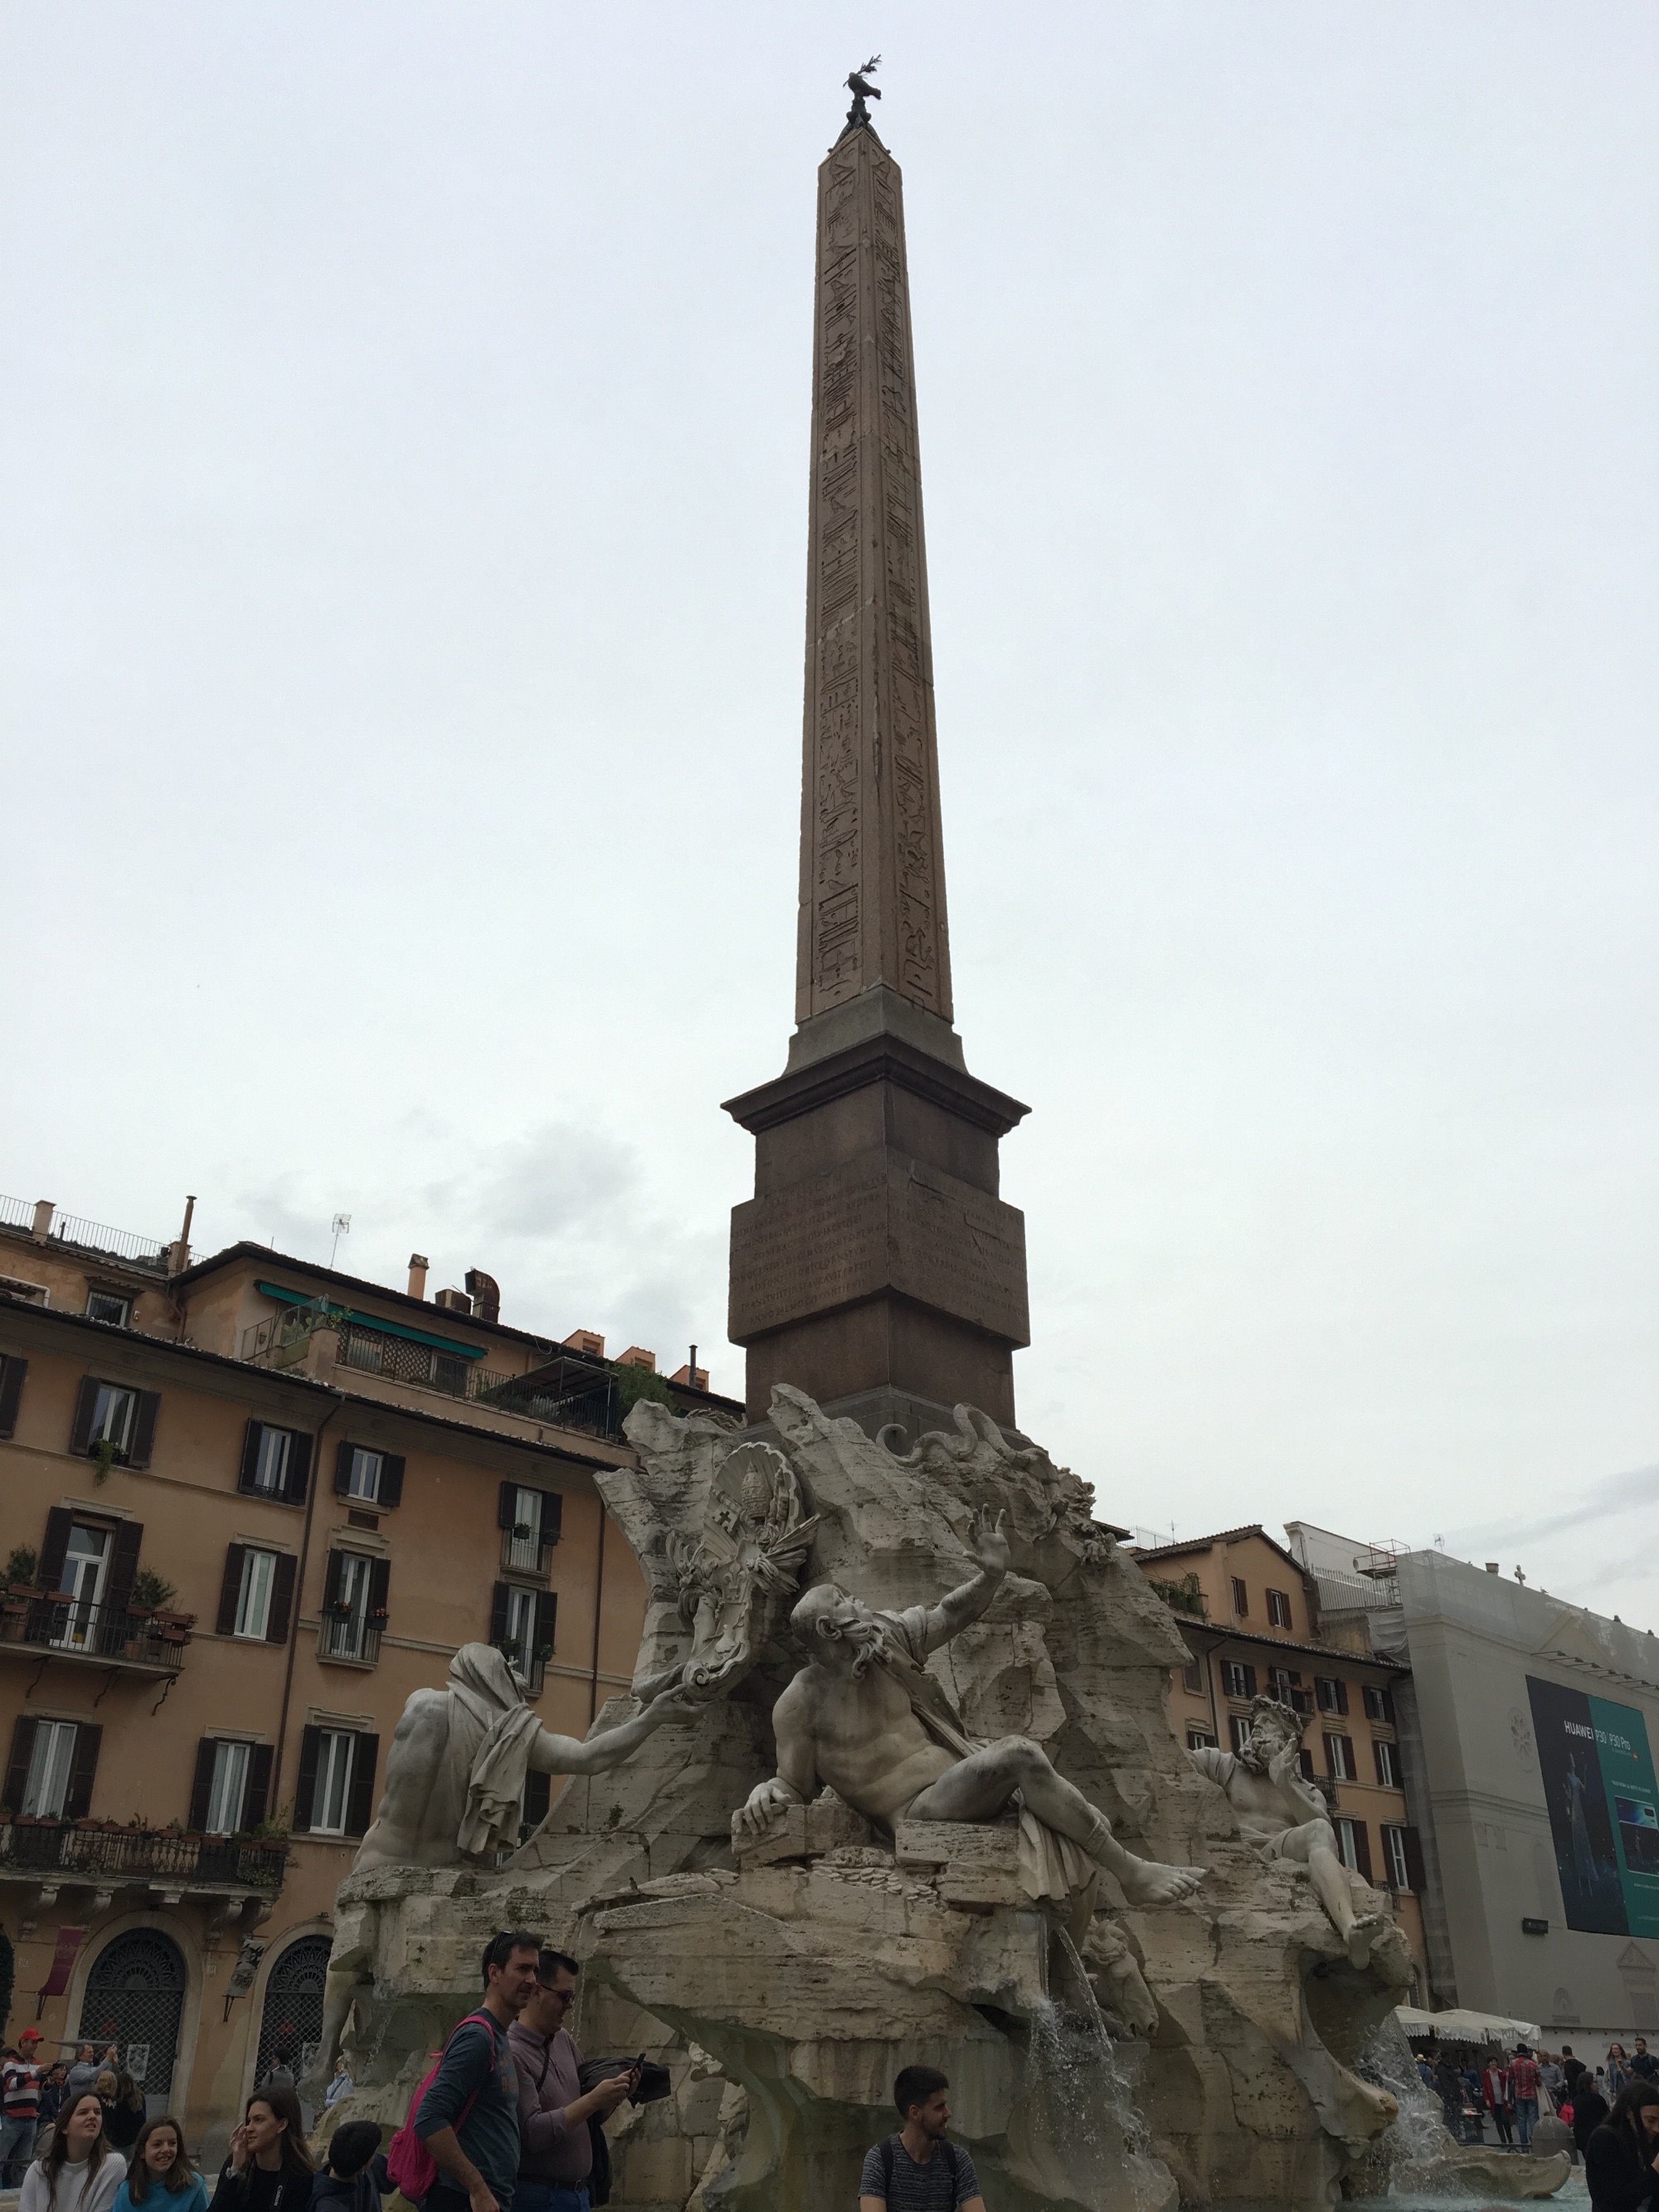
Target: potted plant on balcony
[(18, 1575), (151, 1593), (173, 1627)]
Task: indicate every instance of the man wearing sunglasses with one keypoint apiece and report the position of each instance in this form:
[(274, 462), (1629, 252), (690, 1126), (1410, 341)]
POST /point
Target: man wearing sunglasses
[(556, 2145)]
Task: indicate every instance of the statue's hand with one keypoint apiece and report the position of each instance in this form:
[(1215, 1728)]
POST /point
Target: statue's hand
[(1283, 1766), (766, 1803), (990, 1546)]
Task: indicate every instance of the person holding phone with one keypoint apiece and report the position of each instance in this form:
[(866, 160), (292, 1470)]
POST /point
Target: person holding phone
[(556, 2141)]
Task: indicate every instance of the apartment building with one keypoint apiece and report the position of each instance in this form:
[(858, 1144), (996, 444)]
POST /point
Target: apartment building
[(247, 1504), (1250, 1616)]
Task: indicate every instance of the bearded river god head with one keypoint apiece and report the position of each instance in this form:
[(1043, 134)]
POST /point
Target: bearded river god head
[(1273, 1726), (836, 1631)]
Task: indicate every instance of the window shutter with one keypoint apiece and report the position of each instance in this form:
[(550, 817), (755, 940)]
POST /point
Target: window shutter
[(230, 1589), (1388, 1707), (17, 1772), (85, 1405), (1249, 1682), (359, 1810), (392, 1478), (537, 1789), (55, 1550), (498, 1612), (1382, 1768), (122, 1566), (87, 1737), (143, 1429), (12, 1371), (1362, 1846), (281, 1598), (343, 1452), (306, 1787), (552, 1515), (1413, 1860), (331, 1579), (379, 1584), (256, 1799), (547, 1614), (1341, 1696), (299, 1469), (507, 1505), (249, 1454), (201, 1790)]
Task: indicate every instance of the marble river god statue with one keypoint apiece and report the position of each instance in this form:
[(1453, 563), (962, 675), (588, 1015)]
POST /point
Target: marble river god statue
[(964, 1833)]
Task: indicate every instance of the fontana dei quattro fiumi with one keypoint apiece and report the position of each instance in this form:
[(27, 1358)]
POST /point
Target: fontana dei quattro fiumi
[(896, 1780)]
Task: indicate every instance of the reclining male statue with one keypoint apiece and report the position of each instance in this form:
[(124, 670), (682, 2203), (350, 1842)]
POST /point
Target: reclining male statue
[(866, 1717), (1281, 1813)]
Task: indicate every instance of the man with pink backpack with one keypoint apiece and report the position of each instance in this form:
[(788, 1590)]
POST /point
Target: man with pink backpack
[(458, 2149)]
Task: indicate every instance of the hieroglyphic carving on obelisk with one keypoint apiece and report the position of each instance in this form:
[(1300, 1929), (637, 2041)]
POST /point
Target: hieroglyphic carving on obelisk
[(873, 871)]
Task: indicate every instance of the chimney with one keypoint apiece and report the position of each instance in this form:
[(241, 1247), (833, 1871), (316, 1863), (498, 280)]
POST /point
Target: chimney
[(453, 1302), (485, 1293), (637, 1355), (40, 1227), (586, 1340), (179, 1252), (1491, 1566), (418, 1264)]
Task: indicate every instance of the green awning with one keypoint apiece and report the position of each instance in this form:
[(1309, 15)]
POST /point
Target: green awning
[(287, 1297)]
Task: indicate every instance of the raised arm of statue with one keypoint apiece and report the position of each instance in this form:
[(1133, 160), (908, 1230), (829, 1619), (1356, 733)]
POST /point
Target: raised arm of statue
[(954, 1611), (563, 1754)]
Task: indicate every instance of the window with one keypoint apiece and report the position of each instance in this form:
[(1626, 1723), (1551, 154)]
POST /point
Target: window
[(275, 1463), (1304, 1760), (1379, 1705), (1238, 1728), (85, 1563), (1332, 1696), (1191, 1677), (1283, 1681), (227, 1788), (368, 1476), (334, 1793), (353, 1605), (114, 1421), (1338, 1757), (12, 1371), (1199, 1739), (521, 1625), (106, 1305), (331, 1793), (1353, 1846), (1388, 1763), (1241, 1599), (1279, 1609), (1397, 1866), (1237, 1680), (529, 1522), (49, 1775), (256, 1595)]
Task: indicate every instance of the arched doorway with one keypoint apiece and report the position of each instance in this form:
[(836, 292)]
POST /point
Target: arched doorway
[(135, 1997), (292, 2014)]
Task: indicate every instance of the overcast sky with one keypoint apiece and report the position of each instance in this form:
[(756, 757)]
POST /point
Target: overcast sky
[(402, 466)]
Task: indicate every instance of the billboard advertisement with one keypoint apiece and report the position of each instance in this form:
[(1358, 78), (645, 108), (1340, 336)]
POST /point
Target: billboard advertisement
[(1603, 1799)]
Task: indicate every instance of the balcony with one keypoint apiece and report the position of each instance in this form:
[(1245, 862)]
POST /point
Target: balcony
[(53, 1625), (238, 1875)]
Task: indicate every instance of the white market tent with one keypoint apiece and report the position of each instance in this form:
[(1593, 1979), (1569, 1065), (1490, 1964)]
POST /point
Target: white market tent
[(1458, 2026)]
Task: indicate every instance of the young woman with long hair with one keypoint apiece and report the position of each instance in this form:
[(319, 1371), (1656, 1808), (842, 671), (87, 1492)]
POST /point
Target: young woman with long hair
[(160, 2173), (1621, 2158), (77, 2172), (269, 2168)]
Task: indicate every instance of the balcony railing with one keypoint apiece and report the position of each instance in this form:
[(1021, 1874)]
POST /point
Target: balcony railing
[(106, 1855), (345, 1635), (72, 1628), (73, 1229)]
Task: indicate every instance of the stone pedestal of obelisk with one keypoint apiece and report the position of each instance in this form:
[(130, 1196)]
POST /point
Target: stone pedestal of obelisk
[(876, 1266)]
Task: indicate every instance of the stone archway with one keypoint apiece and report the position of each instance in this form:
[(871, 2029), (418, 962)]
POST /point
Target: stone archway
[(292, 2014), (134, 1998)]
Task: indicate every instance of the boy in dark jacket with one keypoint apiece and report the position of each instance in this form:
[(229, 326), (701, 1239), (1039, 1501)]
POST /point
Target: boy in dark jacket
[(356, 2179)]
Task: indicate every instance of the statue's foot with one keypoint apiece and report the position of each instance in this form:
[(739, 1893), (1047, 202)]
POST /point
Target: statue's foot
[(1146, 1882), (1362, 1935)]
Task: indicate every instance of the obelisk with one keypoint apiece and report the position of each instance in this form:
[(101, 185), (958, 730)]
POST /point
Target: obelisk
[(876, 1266)]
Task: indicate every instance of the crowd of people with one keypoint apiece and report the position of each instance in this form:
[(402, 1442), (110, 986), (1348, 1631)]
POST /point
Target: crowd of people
[(1515, 2092)]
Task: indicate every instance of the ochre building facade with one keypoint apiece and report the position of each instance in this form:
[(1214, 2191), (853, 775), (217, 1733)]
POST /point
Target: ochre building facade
[(246, 1506)]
